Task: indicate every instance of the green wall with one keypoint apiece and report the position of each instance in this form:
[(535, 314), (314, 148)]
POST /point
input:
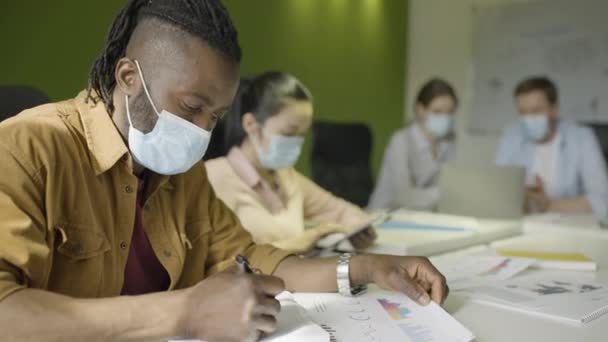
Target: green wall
[(350, 53)]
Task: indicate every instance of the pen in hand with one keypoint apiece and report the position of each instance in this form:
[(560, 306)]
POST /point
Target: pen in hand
[(243, 264)]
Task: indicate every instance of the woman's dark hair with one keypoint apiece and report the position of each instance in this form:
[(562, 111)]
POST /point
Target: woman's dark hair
[(433, 89), (263, 96), (207, 19)]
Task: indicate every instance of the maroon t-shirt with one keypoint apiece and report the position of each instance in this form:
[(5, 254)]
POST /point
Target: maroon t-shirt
[(143, 272)]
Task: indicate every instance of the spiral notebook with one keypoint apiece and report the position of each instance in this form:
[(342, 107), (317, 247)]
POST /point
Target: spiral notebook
[(572, 300)]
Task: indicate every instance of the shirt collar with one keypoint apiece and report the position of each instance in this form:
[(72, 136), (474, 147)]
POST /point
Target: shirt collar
[(243, 167), (105, 143)]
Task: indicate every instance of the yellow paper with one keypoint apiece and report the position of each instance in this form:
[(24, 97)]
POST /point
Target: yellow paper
[(550, 256)]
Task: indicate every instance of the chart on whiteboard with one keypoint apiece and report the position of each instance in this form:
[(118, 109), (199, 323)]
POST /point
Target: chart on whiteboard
[(566, 41)]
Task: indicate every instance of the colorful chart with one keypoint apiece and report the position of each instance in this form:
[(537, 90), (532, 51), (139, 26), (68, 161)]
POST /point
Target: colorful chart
[(496, 269), (395, 310)]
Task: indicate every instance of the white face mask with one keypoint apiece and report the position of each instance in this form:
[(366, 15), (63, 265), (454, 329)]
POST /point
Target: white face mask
[(172, 147), (283, 152), (536, 126), (439, 124)]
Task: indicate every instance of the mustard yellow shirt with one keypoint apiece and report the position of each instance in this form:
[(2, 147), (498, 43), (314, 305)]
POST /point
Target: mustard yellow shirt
[(67, 209)]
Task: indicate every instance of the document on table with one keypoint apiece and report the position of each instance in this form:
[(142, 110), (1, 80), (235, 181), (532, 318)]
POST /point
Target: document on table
[(568, 298), (294, 324), (473, 271), (381, 316), (431, 222)]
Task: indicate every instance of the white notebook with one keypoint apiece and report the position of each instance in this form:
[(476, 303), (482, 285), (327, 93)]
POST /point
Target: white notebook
[(568, 299)]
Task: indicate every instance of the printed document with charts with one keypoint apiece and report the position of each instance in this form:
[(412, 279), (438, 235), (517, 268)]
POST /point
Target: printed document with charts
[(375, 316), (572, 299), (381, 316)]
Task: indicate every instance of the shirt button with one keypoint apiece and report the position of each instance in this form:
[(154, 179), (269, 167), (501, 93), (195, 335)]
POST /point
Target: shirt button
[(123, 245), (167, 253), (128, 189)]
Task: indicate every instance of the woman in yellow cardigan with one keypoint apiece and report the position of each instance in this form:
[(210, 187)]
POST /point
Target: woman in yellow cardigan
[(265, 132)]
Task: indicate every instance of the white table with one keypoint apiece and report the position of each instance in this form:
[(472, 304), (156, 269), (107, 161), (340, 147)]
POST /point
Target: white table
[(492, 324)]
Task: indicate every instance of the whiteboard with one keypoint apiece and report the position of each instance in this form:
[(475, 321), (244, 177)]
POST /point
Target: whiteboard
[(566, 40)]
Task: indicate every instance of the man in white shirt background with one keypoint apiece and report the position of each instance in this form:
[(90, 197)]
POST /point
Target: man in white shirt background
[(566, 171)]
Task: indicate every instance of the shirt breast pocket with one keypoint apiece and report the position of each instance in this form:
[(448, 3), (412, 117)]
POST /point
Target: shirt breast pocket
[(78, 263)]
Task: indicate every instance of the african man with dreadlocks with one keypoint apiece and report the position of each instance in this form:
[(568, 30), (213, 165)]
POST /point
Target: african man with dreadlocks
[(109, 229)]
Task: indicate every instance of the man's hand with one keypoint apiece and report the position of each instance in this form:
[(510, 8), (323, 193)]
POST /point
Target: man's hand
[(537, 200), (232, 306), (414, 276)]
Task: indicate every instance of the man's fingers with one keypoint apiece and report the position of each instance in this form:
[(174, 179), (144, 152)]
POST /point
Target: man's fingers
[(431, 275), (439, 291), (269, 285), (402, 282), (267, 306), (264, 323)]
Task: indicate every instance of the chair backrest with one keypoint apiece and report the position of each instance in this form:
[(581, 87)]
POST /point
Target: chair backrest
[(217, 146), (601, 132), (16, 98), (340, 161)]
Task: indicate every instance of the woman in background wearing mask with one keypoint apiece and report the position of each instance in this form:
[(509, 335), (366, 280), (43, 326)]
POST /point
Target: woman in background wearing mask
[(412, 160), (265, 132)]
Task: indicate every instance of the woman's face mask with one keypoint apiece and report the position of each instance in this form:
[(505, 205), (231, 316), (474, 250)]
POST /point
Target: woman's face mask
[(279, 139), (439, 124), (281, 151)]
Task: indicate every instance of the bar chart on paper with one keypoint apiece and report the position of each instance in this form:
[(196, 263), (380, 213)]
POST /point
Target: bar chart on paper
[(399, 312), (382, 316)]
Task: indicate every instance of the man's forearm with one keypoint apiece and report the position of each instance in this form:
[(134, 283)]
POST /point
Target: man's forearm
[(319, 274), (34, 315)]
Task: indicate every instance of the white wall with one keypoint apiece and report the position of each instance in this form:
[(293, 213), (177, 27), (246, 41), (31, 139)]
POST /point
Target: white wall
[(440, 44)]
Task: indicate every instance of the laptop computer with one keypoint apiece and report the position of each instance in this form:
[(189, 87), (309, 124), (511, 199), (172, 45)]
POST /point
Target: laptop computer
[(484, 191)]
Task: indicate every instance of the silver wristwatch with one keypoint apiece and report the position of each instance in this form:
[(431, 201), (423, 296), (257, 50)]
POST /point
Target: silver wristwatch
[(343, 277)]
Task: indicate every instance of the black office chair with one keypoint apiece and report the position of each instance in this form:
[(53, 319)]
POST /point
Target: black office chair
[(16, 98), (601, 132), (340, 161), (217, 146)]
